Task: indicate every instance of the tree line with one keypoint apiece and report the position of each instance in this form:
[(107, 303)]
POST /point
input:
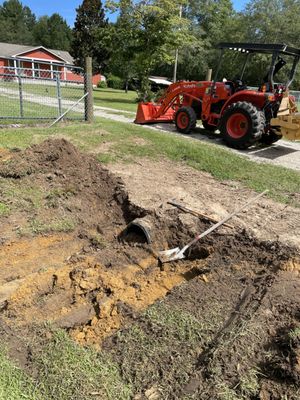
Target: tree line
[(146, 34), (144, 38), (18, 24)]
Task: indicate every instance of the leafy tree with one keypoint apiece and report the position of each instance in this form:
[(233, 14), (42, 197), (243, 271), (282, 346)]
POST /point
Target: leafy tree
[(271, 22), (150, 30), (122, 59), (16, 22), (213, 21), (53, 32), (91, 35)]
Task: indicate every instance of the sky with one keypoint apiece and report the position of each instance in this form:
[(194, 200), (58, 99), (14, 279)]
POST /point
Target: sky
[(66, 8)]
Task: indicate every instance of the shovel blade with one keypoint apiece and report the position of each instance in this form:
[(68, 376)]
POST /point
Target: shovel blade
[(170, 255)]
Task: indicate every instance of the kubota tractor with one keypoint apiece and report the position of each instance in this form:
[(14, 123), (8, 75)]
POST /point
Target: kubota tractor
[(242, 115)]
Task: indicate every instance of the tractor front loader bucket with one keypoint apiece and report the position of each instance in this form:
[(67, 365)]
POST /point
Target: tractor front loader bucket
[(147, 114)]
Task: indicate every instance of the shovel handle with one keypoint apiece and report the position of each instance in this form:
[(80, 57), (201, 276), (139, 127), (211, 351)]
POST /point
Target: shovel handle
[(212, 228)]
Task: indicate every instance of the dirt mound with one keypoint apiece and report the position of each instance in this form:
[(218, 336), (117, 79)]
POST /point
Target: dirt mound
[(59, 163)]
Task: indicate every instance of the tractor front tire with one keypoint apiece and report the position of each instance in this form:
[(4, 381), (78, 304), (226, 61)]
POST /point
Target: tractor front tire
[(242, 125), (185, 119)]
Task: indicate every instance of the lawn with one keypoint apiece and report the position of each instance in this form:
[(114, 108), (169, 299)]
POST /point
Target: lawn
[(116, 99), (45, 107)]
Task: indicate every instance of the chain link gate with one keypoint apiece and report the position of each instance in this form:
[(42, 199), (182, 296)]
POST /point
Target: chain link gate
[(46, 91)]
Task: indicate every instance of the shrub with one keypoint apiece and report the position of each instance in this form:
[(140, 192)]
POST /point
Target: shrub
[(114, 82), (102, 85)]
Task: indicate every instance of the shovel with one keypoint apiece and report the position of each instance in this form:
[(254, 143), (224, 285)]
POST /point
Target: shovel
[(178, 254)]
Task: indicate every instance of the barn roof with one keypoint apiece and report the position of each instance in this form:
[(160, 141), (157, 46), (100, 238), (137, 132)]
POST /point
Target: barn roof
[(13, 50)]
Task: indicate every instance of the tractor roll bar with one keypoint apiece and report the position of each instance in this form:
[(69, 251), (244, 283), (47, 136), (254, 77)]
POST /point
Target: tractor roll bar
[(260, 48)]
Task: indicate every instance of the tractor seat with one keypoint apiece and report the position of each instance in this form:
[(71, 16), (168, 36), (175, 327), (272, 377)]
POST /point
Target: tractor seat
[(235, 86), (239, 85)]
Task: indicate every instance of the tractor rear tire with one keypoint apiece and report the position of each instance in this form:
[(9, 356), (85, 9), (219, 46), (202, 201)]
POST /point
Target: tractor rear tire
[(242, 125), (209, 127), (185, 119)]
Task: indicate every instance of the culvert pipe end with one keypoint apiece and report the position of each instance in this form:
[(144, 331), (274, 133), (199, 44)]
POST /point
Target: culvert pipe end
[(138, 228)]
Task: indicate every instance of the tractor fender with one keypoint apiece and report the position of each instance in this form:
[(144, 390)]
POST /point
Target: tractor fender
[(258, 99)]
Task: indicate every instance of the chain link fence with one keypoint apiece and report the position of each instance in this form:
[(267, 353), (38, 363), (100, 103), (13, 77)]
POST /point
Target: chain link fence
[(41, 91)]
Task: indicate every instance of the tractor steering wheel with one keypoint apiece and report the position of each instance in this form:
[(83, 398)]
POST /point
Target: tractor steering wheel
[(238, 85)]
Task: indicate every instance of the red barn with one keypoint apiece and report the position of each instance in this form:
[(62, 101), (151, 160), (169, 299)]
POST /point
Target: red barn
[(38, 61)]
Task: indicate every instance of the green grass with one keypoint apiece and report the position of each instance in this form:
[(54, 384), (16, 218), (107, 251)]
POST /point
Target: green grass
[(57, 225), (153, 347), (4, 209), (63, 371), (69, 371), (14, 384), (294, 334), (70, 92), (20, 197), (10, 102), (116, 99), (124, 139)]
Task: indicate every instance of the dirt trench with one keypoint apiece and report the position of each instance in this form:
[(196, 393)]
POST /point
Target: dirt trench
[(89, 278)]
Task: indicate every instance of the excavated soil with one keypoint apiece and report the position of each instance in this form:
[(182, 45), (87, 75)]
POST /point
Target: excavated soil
[(67, 258)]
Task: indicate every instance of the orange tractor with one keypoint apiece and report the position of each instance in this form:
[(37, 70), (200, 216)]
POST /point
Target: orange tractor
[(243, 116)]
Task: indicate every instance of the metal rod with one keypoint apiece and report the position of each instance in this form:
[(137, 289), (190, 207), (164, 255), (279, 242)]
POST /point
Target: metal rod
[(58, 92), (68, 110), (272, 69), (219, 66), (244, 66), (293, 71), (20, 92), (211, 229)]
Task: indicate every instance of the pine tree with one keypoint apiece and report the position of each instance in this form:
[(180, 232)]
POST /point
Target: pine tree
[(90, 35), (53, 32), (16, 22)]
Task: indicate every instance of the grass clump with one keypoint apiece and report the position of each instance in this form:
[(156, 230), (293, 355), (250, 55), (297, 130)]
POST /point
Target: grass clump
[(176, 323), (20, 196), (69, 371), (4, 209), (294, 334), (56, 225), (249, 383), (226, 393)]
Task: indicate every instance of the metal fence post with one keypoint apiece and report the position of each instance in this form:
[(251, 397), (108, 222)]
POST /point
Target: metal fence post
[(89, 101), (20, 91), (58, 92)]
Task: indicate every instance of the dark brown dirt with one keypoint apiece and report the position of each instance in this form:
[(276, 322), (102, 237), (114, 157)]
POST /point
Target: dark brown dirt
[(250, 290), (241, 294)]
